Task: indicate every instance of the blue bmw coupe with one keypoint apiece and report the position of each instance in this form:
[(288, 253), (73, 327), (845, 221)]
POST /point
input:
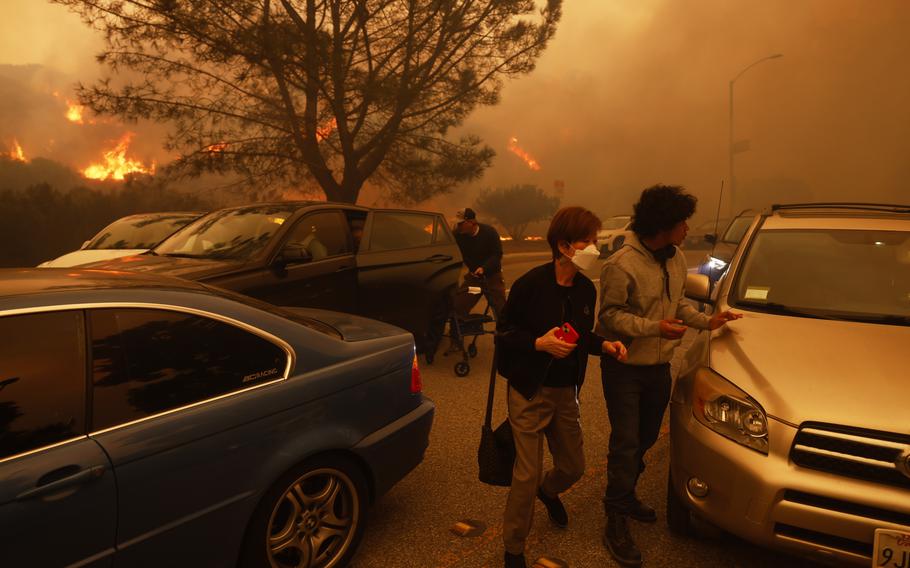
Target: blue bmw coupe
[(149, 421)]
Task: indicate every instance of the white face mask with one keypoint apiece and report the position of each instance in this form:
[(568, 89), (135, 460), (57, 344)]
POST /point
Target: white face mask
[(584, 258)]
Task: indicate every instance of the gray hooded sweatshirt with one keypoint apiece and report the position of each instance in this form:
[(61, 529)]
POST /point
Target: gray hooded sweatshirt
[(634, 299)]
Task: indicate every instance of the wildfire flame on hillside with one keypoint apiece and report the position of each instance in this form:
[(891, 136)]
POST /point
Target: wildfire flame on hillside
[(116, 165), (520, 152), (74, 112), (16, 152), (216, 148)]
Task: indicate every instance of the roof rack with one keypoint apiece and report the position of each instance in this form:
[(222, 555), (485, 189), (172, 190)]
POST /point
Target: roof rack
[(879, 207)]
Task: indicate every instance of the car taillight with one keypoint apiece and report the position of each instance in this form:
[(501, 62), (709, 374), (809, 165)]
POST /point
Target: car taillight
[(416, 382)]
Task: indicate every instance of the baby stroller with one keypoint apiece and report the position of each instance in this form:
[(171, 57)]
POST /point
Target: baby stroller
[(473, 326)]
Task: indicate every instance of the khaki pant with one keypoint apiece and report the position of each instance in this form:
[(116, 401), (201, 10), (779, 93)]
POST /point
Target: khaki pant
[(553, 413)]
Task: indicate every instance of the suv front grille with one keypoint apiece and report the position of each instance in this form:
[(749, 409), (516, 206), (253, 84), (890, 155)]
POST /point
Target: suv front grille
[(852, 452)]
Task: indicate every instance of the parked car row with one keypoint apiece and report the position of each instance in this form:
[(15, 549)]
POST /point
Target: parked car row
[(158, 385), (791, 430), (787, 429), (396, 266)]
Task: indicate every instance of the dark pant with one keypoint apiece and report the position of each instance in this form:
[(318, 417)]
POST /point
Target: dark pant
[(636, 396)]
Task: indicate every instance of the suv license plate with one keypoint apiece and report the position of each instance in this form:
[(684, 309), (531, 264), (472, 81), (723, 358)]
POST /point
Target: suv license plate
[(891, 549)]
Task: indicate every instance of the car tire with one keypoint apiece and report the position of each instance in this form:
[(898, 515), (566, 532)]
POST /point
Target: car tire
[(313, 516), (679, 518)]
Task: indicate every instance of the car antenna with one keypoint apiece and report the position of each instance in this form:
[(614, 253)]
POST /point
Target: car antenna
[(720, 200)]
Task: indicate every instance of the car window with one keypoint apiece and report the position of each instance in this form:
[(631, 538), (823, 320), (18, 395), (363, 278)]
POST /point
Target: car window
[(231, 234), (393, 231), (42, 380), (443, 235), (323, 234), (847, 274), (138, 232), (737, 229), (146, 361)]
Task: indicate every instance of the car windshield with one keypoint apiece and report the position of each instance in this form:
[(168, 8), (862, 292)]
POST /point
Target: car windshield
[(860, 275), (613, 223), (737, 229), (231, 234), (138, 232)]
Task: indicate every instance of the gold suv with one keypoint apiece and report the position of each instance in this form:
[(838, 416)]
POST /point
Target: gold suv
[(792, 429)]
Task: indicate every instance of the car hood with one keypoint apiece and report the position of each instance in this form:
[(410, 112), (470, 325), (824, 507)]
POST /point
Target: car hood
[(188, 268), (350, 326), (79, 257), (803, 369)]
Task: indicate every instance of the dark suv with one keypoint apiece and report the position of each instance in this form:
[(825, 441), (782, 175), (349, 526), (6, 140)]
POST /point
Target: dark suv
[(392, 265)]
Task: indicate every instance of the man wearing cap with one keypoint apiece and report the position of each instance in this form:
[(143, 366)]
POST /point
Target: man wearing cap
[(481, 250)]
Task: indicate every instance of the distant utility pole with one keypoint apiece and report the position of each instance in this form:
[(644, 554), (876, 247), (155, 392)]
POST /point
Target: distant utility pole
[(743, 145)]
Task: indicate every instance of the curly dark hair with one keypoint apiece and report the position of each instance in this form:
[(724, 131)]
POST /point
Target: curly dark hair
[(660, 208)]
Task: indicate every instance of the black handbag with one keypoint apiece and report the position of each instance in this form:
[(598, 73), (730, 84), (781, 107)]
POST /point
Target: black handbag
[(496, 454)]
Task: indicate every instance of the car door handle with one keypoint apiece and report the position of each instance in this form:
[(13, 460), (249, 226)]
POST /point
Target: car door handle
[(439, 258), (63, 477)]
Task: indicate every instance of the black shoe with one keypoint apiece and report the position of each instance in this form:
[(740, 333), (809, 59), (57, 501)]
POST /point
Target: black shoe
[(643, 513), (555, 509), (618, 541), (515, 561)]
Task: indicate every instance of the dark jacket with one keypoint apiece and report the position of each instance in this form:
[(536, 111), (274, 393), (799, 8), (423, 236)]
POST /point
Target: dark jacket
[(483, 249), (534, 307)]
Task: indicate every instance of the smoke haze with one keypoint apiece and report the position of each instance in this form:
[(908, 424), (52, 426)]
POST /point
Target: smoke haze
[(635, 92)]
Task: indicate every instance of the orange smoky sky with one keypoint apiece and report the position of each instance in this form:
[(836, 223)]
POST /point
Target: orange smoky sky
[(635, 92)]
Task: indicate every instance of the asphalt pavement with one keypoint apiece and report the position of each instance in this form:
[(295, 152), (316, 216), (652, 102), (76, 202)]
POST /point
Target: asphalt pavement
[(410, 526)]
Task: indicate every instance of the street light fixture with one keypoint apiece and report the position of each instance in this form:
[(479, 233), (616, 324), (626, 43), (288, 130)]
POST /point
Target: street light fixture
[(732, 81)]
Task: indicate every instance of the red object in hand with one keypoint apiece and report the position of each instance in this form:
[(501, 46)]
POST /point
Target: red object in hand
[(567, 333)]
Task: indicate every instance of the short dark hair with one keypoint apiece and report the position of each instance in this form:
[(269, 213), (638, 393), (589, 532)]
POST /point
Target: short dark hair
[(571, 224), (660, 208)]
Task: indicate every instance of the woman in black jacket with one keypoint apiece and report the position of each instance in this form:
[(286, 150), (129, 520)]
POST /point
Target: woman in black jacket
[(545, 372)]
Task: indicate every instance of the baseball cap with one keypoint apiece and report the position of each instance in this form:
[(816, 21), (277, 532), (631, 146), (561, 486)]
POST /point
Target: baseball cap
[(466, 214)]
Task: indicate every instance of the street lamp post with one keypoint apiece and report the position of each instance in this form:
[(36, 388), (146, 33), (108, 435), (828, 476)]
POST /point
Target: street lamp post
[(732, 81)]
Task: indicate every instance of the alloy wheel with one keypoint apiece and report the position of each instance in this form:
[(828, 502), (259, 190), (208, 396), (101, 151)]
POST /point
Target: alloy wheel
[(314, 522)]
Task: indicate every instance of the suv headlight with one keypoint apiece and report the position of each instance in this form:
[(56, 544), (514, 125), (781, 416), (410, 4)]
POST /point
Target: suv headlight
[(721, 406)]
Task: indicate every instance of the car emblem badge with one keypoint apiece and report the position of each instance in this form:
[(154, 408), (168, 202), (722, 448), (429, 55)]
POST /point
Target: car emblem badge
[(903, 462)]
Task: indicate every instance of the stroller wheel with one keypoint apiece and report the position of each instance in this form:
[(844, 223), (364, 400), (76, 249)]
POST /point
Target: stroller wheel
[(472, 350), (462, 369)]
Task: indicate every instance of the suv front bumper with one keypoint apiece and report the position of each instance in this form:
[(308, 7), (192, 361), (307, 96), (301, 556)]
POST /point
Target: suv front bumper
[(772, 502)]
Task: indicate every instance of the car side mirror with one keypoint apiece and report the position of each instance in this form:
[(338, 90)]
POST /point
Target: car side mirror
[(711, 238), (698, 288), (294, 254)]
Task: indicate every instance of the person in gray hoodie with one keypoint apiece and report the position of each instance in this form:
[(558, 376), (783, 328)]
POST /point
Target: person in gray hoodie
[(641, 293)]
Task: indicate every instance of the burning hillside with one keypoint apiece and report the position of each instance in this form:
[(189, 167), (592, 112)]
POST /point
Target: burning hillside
[(40, 118), (116, 165)]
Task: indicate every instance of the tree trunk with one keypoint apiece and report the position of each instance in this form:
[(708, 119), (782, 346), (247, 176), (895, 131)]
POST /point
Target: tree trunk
[(344, 193)]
